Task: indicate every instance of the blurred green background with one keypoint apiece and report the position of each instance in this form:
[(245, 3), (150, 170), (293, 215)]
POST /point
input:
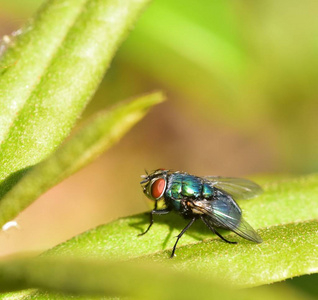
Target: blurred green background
[(241, 79)]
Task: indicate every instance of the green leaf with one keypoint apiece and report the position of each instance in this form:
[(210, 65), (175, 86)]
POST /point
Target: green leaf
[(50, 71), (285, 216), (87, 277), (97, 135), (289, 249)]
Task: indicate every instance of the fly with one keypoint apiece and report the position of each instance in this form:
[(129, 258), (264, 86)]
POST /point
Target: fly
[(210, 199)]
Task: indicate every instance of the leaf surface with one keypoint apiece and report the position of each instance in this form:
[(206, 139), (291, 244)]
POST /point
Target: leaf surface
[(289, 249), (98, 134), (50, 71)]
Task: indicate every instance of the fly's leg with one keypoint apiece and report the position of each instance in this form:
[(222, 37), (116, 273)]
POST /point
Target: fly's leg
[(224, 239), (180, 235), (155, 212), (151, 217), (214, 231)]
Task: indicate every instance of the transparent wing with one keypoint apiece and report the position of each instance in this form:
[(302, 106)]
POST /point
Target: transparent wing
[(238, 188), (226, 214)]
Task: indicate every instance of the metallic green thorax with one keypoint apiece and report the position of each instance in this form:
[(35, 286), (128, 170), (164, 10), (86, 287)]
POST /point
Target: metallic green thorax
[(184, 186)]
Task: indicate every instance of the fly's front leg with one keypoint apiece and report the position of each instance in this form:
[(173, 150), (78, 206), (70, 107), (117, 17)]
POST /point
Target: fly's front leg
[(181, 234), (155, 212)]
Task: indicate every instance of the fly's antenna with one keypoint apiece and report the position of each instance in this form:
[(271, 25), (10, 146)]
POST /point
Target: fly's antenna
[(145, 177)]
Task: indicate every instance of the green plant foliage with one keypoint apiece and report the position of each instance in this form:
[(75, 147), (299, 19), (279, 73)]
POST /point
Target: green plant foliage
[(48, 74), (285, 216), (289, 248), (50, 71), (283, 203), (91, 278), (100, 133)]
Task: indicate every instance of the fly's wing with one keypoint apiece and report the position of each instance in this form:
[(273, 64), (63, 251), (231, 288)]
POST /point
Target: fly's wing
[(226, 214), (238, 188)]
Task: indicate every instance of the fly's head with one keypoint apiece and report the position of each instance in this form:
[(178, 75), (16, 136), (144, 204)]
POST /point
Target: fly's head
[(154, 184)]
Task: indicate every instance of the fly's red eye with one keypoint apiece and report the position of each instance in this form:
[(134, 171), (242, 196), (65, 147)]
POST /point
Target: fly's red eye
[(158, 188)]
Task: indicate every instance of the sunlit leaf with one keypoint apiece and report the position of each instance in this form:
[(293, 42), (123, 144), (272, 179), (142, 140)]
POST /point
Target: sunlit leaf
[(100, 133), (289, 248), (285, 216), (101, 278), (50, 71)]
